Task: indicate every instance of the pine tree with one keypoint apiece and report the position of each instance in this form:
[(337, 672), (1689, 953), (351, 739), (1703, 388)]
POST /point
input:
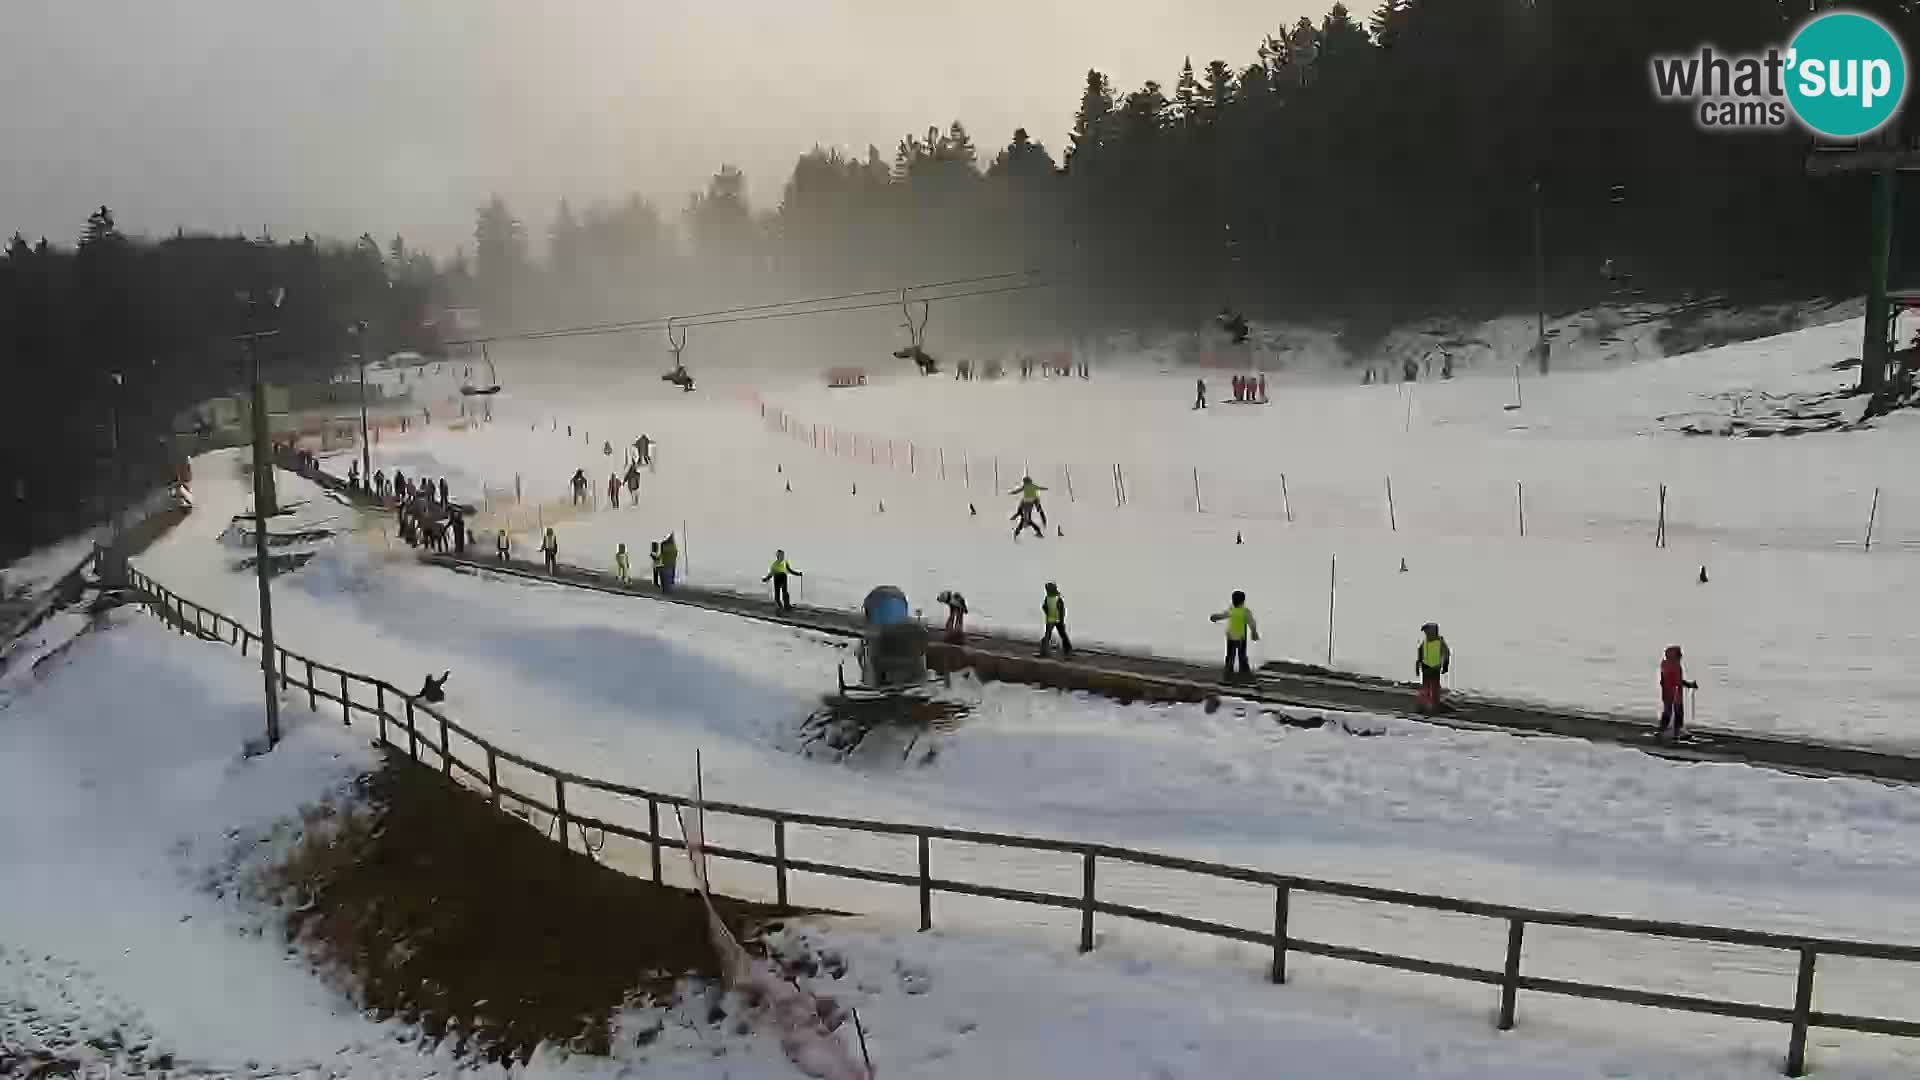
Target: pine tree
[(1389, 22), (1092, 123), (101, 234), (1186, 94)]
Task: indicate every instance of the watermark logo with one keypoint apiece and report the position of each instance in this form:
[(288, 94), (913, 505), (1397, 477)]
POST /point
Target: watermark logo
[(1843, 75)]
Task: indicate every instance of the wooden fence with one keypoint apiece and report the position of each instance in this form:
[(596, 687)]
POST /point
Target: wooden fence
[(402, 723)]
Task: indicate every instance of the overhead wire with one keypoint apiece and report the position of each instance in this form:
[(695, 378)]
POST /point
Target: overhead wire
[(761, 312)]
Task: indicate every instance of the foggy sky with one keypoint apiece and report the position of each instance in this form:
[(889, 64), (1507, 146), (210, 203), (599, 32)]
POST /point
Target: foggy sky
[(343, 116)]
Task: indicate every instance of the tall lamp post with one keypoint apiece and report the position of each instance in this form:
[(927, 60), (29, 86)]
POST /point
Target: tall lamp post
[(263, 506), (366, 445), (1541, 351), (112, 558)]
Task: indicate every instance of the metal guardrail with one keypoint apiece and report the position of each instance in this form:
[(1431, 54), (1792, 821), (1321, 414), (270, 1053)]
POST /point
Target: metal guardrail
[(399, 714)]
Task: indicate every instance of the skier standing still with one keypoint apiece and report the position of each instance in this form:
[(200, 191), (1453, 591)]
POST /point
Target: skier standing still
[(777, 573), (620, 566), (1240, 623), (1432, 660), (1053, 607), (1199, 393), (1673, 686), (550, 550)]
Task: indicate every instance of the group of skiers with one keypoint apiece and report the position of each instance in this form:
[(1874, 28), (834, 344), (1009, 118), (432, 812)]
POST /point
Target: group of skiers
[(665, 556), (1250, 389)]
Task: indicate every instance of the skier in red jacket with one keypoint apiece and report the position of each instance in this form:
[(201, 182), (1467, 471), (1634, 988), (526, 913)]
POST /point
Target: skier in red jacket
[(1673, 685)]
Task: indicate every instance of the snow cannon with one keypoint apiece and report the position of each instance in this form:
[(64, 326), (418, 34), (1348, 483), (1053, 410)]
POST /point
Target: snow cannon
[(893, 646), (895, 693)]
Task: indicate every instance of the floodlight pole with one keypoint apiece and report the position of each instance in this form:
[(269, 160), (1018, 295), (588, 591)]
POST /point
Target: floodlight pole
[(263, 506)]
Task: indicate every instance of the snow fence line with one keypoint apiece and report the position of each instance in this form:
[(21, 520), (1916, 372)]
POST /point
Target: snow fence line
[(401, 727), (1191, 489)]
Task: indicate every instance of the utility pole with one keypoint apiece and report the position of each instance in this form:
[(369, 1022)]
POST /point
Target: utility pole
[(1541, 350), (263, 506), (112, 559), (366, 448), (1874, 352)]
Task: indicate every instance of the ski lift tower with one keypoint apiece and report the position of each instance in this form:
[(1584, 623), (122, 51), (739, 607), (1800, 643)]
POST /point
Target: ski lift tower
[(1885, 163)]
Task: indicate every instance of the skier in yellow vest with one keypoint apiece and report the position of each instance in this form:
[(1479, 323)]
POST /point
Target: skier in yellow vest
[(777, 573), (1432, 660), (620, 565), (1240, 623), (1054, 608)]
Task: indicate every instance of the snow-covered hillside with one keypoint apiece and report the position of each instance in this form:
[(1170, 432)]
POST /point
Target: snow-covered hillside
[(1798, 630)]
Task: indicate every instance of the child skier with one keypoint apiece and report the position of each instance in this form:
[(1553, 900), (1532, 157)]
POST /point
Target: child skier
[(1431, 661), (613, 491), (653, 552), (777, 573), (1029, 493), (620, 566), (550, 550), (1053, 607), (1673, 687), (1240, 623)]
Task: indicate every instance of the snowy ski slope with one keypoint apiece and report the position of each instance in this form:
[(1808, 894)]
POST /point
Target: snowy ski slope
[(628, 690)]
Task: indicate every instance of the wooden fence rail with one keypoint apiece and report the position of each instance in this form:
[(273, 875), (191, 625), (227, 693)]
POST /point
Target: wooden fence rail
[(378, 698)]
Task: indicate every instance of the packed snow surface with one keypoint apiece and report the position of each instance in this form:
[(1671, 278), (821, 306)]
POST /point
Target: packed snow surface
[(628, 690)]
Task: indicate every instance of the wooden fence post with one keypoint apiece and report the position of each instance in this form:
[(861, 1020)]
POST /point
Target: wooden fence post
[(313, 696), (943, 464), (1086, 903), (1198, 508), (493, 776), (1872, 512), (560, 811), (1660, 529), (1280, 899), (446, 752), (346, 702), (653, 836), (780, 861), (1520, 504), (926, 885), (1802, 1010), (380, 709), (1393, 522), (1286, 504), (413, 733), (1510, 980)]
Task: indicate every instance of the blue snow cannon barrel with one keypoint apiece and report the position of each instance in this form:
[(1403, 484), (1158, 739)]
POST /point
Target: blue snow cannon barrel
[(887, 606)]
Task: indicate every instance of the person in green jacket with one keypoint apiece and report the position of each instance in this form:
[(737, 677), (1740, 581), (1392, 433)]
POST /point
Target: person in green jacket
[(1432, 660), (620, 565), (669, 562), (1240, 625), (1053, 607), (777, 573), (1029, 493)]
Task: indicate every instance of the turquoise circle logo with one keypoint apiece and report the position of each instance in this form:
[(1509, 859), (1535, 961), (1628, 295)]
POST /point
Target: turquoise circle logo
[(1847, 74)]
